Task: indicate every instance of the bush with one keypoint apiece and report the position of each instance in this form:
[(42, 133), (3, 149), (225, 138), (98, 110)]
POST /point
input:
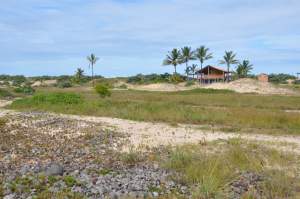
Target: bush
[(25, 90), (102, 90), (64, 84)]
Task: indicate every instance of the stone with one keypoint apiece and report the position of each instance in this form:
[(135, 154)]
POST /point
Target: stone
[(54, 169), (155, 194), (10, 196)]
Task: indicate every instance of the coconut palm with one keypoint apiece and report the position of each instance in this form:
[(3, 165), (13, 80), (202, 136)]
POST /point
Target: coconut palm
[(193, 69), (228, 59), (244, 68), (187, 55), (92, 59), (79, 73), (187, 72), (173, 58), (202, 55)]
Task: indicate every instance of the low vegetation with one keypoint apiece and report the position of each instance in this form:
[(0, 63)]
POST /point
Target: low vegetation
[(213, 168), (27, 90), (155, 78), (5, 93), (48, 99), (280, 78), (102, 90), (221, 109)]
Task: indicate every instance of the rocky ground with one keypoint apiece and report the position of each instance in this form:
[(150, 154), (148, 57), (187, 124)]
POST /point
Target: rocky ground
[(44, 154), (52, 156)]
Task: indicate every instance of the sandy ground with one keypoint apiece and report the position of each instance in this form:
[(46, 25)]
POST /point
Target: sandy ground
[(241, 86), (147, 134)]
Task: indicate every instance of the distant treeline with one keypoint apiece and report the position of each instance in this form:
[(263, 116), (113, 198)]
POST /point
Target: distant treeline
[(280, 78)]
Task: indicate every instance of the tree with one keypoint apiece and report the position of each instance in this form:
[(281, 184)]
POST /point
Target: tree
[(173, 58), (92, 59), (243, 69), (228, 59), (203, 55), (193, 69), (79, 75), (187, 72), (187, 55)]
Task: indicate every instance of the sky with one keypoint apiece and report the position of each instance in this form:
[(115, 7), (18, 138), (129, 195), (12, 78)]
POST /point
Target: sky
[(54, 37)]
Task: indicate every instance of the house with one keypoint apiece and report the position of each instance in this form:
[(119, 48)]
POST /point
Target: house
[(211, 74), (263, 77)]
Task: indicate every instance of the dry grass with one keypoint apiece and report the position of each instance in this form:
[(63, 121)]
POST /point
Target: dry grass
[(210, 168)]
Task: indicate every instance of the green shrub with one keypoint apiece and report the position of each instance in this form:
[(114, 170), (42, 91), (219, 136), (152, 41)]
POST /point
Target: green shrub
[(70, 181), (25, 90), (102, 90), (64, 84)]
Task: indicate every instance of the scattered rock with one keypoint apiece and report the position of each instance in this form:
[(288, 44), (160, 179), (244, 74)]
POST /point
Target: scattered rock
[(54, 169)]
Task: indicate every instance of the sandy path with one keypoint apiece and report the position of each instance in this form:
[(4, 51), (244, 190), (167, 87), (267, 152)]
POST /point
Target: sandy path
[(142, 134), (156, 134)]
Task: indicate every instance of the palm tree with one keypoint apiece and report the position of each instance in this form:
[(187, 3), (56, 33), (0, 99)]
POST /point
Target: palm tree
[(92, 59), (173, 58), (187, 55), (244, 68), (228, 59), (193, 69), (203, 55), (79, 73), (187, 72)]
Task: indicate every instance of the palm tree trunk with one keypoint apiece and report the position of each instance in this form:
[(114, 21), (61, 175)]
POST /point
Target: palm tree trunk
[(186, 67), (93, 74), (175, 70), (228, 66), (201, 73)]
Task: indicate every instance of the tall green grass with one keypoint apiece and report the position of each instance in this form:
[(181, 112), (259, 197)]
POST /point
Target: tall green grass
[(226, 112), (52, 99)]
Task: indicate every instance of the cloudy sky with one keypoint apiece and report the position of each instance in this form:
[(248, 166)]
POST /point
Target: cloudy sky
[(53, 37)]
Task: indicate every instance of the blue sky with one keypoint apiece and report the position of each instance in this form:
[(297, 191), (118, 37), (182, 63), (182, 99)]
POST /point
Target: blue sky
[(53, 37)]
